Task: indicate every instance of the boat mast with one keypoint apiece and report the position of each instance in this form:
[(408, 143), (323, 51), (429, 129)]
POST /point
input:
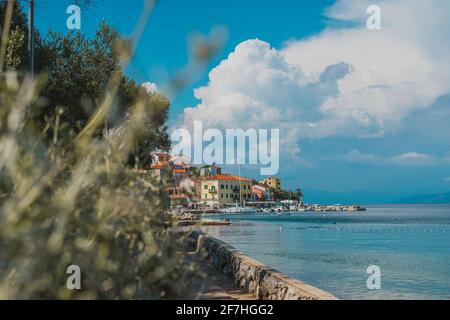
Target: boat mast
[(240, 187)]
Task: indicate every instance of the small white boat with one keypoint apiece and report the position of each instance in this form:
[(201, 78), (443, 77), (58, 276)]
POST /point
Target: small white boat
[(239, 210)]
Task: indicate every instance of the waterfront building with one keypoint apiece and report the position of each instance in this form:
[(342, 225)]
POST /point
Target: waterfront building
[(180, 167), (161, 158), (225, 189), (261, 193), (272, 182), (187, 185), (181, 160), (179, 173)]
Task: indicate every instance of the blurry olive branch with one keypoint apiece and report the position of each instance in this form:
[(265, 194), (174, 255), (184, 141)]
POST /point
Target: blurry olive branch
[(71, 187)]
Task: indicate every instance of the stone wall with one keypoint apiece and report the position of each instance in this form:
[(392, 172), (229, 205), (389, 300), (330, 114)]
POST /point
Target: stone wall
[(256, 278)]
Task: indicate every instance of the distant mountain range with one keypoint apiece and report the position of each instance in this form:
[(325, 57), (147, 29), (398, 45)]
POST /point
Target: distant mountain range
[(440, 198), (364, 198)]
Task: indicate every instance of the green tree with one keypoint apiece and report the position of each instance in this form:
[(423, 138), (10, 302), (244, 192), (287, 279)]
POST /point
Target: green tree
[(18, 18), (17, 43), (82, 205), (17, 57), (79, 72)]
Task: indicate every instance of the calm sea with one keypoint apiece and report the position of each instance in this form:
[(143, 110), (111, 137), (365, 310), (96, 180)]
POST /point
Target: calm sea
[(410, 244)]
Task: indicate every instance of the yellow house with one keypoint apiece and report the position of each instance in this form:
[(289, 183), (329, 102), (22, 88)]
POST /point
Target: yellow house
[(225, 188), (272, 182)]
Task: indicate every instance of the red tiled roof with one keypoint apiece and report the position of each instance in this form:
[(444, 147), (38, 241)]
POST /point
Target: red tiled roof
[(157, 166), (227, 177), (179, 170)]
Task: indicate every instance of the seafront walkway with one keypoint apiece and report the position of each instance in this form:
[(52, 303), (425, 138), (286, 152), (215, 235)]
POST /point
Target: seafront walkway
[(227, 274), (208, 283), (217, 286)]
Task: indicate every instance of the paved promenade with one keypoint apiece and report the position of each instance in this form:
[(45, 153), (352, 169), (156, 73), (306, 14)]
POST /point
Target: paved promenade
[(220, 287), (216, 286)]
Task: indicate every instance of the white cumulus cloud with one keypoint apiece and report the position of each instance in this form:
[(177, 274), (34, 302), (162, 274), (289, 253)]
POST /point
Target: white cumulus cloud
[(346, 81), (255, 87), (414, 159), (408, 159), (358, 157)]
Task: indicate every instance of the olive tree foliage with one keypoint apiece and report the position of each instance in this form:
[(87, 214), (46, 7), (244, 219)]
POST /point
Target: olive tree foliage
[(68, 195), (78, 71), (17, 57)]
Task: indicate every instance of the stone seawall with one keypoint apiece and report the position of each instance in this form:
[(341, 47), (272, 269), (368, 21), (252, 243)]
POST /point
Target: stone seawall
[(256, 278)]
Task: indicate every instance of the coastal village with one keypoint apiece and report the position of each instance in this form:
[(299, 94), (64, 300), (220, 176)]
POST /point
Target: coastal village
[(208, 189)]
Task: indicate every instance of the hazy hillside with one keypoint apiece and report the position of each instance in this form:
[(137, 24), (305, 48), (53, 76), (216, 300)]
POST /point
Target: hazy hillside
[(441, 198)]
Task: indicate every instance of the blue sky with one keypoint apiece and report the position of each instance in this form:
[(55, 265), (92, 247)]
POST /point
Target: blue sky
[(163, 48), (379, 130)]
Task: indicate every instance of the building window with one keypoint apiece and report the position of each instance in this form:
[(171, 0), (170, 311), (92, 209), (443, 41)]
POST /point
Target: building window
[(221, 195), (226, 186), (206, 196), (221, 186), (226, 195), (205, 187)]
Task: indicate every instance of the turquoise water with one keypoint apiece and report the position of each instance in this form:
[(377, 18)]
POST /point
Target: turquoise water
[(411, 245)]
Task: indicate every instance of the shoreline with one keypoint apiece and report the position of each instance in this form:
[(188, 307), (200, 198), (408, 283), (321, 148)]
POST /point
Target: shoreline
[(254, 277), (303, 209), (340, 245)]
